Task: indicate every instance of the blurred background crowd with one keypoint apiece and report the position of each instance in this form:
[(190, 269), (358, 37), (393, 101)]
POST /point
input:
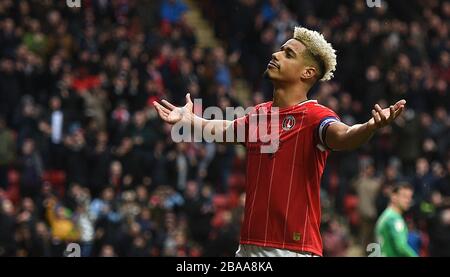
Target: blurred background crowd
[(84, 158)]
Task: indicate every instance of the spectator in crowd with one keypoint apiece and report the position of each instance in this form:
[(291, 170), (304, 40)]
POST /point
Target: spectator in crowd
[(32, 168), (172, 10), (7, 152), (7, 219), (391, 230), (367, 187)]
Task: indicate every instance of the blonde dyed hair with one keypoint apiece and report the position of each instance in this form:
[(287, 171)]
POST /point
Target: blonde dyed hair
[(322, 50)]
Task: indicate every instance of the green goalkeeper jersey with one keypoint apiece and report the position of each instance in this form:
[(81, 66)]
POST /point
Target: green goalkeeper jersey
[(392, 234)]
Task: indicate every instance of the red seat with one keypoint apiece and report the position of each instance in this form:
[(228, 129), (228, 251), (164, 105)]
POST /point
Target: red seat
[(13, 191), (57, 178), (350, 202), (351, 209), (217, 220), (13, 177), (233, 199), (236, 181), (220, 202)]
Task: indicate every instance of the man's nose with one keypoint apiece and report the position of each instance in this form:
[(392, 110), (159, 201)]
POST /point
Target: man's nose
[(275, 56)]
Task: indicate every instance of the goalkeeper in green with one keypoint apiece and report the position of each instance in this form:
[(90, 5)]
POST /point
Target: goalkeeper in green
[(391, 230)]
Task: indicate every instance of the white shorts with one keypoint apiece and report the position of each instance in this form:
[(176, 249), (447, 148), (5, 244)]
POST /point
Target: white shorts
[(246, 250)]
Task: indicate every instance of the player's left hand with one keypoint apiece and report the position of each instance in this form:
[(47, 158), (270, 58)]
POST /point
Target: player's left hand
[(382, 117)]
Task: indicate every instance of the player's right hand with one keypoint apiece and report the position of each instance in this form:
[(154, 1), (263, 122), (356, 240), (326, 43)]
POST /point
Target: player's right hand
[(382, 117), (171, 114)]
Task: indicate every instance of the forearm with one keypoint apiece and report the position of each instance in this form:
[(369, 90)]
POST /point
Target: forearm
[(350, 137), (203, 129), (403, 248), (342, 137), (213, 127), (409, 252)]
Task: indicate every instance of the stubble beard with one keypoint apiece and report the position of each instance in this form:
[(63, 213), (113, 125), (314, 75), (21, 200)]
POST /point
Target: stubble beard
[(266, 75)]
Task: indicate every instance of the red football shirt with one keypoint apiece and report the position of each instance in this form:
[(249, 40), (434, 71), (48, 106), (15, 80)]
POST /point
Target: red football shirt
[(282, 207)]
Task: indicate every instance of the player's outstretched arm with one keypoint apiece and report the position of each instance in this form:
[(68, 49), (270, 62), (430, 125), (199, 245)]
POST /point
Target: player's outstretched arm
[(400, 241), (340, 136), (172, 115)]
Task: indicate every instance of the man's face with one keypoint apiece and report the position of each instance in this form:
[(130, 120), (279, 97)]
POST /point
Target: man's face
[(55, 103), (287, 64), (403, 198)]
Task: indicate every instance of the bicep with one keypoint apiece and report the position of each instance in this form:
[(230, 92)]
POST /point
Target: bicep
[(330, 131), (399, 239)]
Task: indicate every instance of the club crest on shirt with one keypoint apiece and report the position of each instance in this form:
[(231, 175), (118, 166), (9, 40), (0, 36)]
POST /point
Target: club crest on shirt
[(288, 123), (296, 236)]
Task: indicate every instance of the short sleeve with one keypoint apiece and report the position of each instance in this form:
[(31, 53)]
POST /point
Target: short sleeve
[(324, 119), (240, 129), (241, 125)]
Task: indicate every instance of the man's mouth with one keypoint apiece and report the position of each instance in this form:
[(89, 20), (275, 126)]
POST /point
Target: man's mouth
[(273, 64)]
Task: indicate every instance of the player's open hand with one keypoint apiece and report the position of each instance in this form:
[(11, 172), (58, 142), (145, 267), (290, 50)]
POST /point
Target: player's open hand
[(171, 114), (382, 117)]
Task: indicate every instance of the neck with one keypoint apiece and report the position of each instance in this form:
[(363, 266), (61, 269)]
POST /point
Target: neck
[(396, 209), (286, 96)]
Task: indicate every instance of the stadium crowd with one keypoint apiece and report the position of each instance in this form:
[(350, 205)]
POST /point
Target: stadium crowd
[(84, 158)]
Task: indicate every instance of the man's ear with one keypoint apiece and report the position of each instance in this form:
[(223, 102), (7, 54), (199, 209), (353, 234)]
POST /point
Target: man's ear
[(309, 73)]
